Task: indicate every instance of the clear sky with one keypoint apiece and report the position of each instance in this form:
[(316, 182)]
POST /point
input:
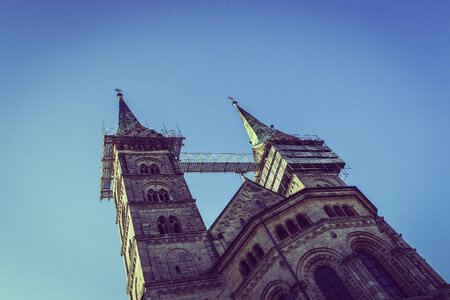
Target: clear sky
[(369, 77)]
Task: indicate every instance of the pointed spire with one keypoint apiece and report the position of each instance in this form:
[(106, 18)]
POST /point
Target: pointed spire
[(256, 130), (126, 117), (128, 123)]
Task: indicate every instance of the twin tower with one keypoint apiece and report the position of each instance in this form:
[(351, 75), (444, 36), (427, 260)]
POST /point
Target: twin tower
[(296, 232)]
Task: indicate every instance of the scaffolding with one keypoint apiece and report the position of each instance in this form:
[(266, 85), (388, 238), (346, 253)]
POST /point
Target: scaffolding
[(217, 163), (301, 153)]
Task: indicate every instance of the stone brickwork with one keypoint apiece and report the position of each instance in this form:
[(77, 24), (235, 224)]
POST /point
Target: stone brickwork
[(288, 235)]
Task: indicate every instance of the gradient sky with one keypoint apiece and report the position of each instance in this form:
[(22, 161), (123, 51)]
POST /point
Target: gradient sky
[(369, 77)]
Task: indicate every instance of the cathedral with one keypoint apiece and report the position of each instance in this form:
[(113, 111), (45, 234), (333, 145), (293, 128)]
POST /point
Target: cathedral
[(296, 232)]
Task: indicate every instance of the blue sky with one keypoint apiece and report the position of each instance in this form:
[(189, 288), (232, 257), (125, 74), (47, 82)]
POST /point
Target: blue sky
[(369, 77)]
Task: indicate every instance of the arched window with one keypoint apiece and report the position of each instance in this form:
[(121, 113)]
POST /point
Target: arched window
[(303, 221), (281, 232), (349, 210), (339, 211), (177, 268), (242, 221), (330, 212), (259, 252), (251, 260), (152, 195), (291, 226), (163, 195), (244, 269), (154, 169), (380, 274), (331, 285), (174, 225), (220, 235), (162, 222), (259, 204), (144, 168)]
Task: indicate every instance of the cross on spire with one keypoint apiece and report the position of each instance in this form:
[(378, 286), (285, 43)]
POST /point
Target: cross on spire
[(232, 99)]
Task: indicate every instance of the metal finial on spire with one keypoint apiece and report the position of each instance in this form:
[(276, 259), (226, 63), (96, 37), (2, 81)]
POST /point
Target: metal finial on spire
[(232, 99), (119, 94)]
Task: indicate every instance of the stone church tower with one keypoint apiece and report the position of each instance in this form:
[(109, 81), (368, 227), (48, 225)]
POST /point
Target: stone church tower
[(297, 232)]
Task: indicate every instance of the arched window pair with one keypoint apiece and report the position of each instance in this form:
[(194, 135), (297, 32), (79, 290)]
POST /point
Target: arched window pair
[(169, 226), (251, 260), (161, 195), (338, 211), (153, 169), (333, 288), (292, 226)]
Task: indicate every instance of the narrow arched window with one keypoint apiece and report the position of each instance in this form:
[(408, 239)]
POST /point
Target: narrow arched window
[(173, 226), (259, 204), (291, 226), (259, 252), (330, 212), (339, 211), (152, 195), (177, 268), (331, 285), (162, 222), (281, 232), (349, 210), (244, 269), (143, 168), (251, 260), (380, 274), (154, 169), (243, 223), (163, 195), (303, 221)]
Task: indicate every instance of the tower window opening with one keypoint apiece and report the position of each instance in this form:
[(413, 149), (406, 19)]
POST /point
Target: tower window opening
[(220, 235), (259, 252), (244, 269), (143, 168), (292, 227), (152, 195), (154, 169), (380, 274), (331, 285), (173, 226), (330, 212), (303, 221), (163, 195), (339, 211), (349, 210), (162, 225), (281, 232), (177, 268), (243, 223), (251, 260)]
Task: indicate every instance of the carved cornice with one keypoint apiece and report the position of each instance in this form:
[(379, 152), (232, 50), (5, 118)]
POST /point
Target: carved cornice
[(186, 285), (158, 239), (160, 204)]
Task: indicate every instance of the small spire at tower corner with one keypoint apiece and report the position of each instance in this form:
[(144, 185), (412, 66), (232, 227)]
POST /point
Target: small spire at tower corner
[(119, 93)]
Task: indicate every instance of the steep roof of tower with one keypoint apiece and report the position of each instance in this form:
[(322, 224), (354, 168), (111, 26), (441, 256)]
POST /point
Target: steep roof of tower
[(257, 130), (129, 124)]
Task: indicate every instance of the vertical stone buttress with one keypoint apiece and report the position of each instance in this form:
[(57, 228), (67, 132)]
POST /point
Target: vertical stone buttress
[(163, 237)]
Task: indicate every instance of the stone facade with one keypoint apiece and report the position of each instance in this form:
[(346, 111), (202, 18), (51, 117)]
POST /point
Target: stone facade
[(298, 232)]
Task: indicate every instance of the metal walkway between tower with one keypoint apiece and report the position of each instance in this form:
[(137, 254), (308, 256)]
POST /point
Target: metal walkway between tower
[(216, 163)]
